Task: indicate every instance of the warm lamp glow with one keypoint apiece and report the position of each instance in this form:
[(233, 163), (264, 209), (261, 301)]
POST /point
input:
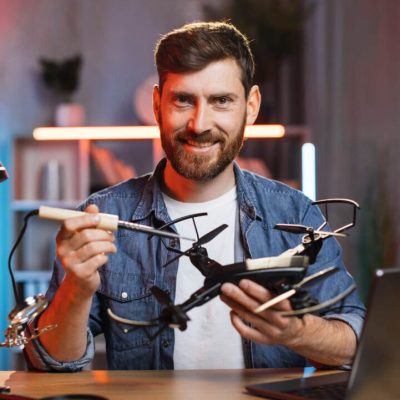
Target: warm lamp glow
[(135, 132)]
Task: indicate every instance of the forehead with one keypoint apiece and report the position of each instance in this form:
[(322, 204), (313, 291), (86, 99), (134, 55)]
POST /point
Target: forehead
[(217, 77)]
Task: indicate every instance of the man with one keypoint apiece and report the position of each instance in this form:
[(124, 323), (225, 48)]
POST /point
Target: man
[(204, 99)]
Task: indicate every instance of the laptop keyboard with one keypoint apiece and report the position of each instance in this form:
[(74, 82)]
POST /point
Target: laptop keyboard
[(331, 391)]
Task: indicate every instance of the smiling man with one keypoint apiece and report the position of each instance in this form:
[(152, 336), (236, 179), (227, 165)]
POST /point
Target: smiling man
[(202, 116), (203, 102)]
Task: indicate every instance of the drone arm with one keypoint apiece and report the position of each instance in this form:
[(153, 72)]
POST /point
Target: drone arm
[(201, 296), (299, 249), (355, 205), (275, 300), (319, 307), (127, 321), (289, 293)]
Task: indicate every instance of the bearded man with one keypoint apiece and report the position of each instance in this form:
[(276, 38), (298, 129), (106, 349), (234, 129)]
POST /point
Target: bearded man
[(204, 100)]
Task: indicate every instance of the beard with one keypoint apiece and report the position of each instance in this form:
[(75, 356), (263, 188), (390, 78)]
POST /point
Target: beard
[(196, 167)]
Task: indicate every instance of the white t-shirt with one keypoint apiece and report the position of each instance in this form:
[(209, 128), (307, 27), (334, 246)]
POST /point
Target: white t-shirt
[(210, 341)]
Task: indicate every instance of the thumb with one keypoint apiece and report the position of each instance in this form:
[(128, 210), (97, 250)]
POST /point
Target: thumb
[(92, 208)]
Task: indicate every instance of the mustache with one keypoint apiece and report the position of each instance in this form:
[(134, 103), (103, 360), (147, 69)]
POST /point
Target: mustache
[(205, 137)]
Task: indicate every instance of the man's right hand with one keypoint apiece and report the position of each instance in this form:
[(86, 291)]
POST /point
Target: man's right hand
[(82, 249)]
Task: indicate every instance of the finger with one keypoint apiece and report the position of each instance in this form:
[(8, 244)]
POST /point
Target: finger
[(249, 332), (244, 298), (248, 315), (88, 220), (80, 238), (244, 306), (255, 290), (75, 224), (83, 273), (94, 248), (87, 252), (92, 209), (262, 294)]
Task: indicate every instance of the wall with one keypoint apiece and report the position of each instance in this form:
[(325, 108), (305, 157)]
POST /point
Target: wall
[(353, 103), (115, 37)]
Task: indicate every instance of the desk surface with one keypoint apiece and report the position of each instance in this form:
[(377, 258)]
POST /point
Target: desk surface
[(166, 385)]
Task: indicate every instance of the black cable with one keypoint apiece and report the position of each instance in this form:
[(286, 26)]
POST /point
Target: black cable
[(18, 300)]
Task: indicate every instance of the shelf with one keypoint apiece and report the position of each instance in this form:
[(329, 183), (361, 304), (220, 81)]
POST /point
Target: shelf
[(39, 167), (32, 283), (28, 205)]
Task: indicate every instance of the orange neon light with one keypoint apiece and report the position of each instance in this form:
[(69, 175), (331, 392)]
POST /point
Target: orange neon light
[(135, 132)]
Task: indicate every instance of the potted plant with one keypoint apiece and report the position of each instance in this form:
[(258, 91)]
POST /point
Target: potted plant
[(62, 77)]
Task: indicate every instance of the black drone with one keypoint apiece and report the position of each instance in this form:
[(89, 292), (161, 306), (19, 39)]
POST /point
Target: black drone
[(284, 275)]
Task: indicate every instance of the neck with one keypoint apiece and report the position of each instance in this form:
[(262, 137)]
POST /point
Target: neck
[(189, 191)]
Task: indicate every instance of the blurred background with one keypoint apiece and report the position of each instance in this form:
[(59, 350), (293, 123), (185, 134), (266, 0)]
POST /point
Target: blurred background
[(328, 69)]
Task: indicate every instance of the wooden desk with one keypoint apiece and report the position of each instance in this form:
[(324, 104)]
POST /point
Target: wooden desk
[(154, 385)]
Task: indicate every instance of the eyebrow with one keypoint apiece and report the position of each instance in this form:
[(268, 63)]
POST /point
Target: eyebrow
[(224, 94), (175, 93)]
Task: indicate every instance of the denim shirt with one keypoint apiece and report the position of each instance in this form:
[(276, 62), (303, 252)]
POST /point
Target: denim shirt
[(129, 274)]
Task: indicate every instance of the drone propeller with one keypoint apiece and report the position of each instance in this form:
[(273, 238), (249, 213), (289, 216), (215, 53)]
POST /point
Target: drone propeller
[(210, 235), (321, 306), (289, 293), (196, 248), (296, 228), (133, 322), (172, 315), (161, 296)]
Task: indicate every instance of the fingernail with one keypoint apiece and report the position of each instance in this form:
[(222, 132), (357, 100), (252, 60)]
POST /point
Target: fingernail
[(244, 284), (226, 288)]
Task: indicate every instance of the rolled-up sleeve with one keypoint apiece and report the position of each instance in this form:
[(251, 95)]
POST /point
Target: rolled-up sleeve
[(353, 320), (39, 359)]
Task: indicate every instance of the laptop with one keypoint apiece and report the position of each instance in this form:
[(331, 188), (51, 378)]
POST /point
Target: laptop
[(376, 368)]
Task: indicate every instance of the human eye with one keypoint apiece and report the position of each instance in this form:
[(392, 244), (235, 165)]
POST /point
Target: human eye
[(182, 100), (222, 101)]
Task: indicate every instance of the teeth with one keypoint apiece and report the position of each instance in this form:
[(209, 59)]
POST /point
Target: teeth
[(197, 144)]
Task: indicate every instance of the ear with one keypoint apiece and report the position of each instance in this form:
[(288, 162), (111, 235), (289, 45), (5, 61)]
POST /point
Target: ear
[(253, 105), (156, 102)]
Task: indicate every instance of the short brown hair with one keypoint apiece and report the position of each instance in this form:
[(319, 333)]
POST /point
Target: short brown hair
[(193, 46)]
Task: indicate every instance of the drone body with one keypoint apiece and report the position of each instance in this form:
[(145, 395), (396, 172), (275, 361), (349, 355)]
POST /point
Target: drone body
[(284, 275)]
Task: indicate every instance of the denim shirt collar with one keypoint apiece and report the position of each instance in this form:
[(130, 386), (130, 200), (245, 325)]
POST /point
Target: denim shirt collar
[(152, 200), (247, 197)]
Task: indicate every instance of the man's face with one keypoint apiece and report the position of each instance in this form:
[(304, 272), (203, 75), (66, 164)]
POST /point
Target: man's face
[(202, 116)]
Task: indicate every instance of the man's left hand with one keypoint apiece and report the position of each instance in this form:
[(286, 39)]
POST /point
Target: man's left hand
[(267, 327)]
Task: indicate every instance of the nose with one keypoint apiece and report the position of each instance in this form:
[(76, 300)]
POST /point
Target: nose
[(201, 119)]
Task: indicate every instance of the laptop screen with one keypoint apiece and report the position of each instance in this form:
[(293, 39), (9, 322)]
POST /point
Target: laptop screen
[(376, 368)]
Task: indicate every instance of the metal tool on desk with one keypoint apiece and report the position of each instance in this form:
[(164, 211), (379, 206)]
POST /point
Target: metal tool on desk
[(109, 222), (18, 332), (24, 312), (19, 319)]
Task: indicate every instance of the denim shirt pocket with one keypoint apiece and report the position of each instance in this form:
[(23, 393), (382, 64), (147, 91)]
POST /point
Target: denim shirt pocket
[(129, 297)]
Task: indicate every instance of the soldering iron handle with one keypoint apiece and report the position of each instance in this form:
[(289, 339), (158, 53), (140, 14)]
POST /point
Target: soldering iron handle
[(108, 222)]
